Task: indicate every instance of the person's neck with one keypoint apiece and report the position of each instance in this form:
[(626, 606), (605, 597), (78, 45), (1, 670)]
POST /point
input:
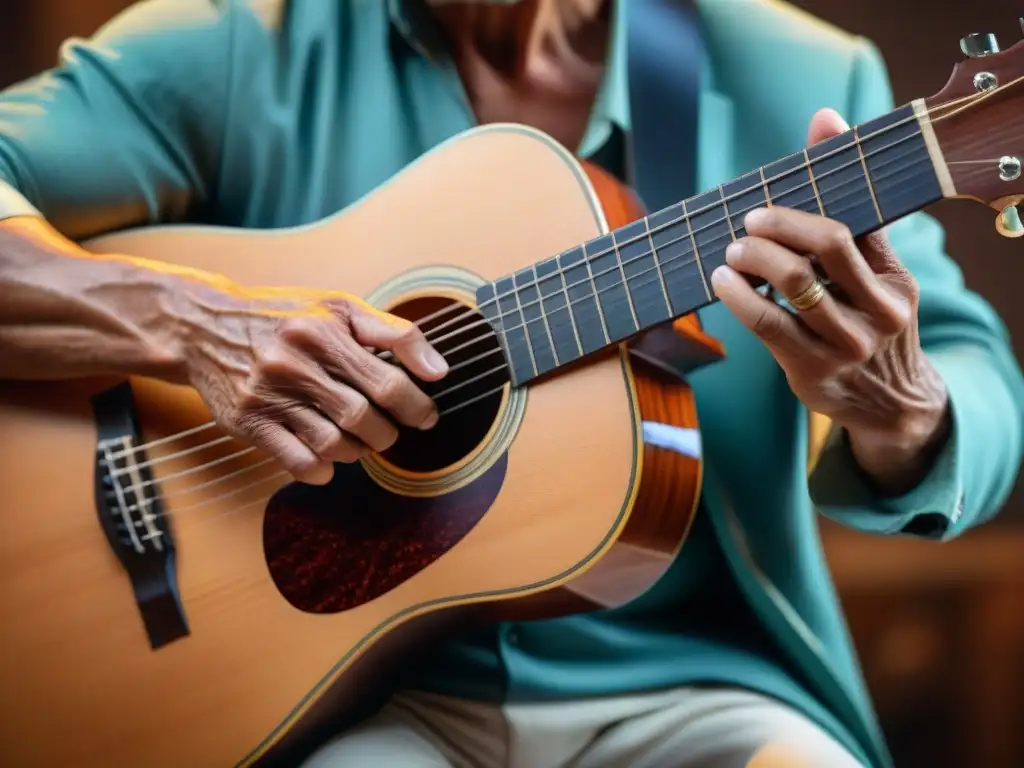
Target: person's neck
[(532, 41)]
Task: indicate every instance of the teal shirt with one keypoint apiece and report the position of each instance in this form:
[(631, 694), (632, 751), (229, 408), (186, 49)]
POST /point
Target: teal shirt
[(693, 627), (267, 114)]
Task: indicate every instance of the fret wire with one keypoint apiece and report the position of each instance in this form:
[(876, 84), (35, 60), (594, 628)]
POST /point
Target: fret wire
[(764, 187), (544, 313), (526, 326), (725, 206), (597, 299), (499, 315), (568, 304), (657, 266), (814, 183), (696, 252), (625, 282), (867, 175)]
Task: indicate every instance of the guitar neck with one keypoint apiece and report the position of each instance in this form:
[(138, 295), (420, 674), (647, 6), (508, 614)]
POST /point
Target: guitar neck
[(656, 269)]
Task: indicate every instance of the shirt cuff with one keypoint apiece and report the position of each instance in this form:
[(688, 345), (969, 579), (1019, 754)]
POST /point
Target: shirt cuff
[(841, 491), (13, 203)]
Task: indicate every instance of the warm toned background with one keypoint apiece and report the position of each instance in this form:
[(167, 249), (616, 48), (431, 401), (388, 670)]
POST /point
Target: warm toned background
[(940, 628)]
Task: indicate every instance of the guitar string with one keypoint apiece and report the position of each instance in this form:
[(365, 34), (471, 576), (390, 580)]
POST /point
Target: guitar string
[(625, 262), (662, 264), (238, 454), (558, 325), (145, 503), (959, 103), (969, 101), (973, 98), (804, 166), (661, 270), (993, 161), (665, 267), (490, 372)]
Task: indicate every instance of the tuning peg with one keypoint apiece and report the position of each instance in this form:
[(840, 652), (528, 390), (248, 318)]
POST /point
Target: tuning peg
[(980, 44), (1009, 224)]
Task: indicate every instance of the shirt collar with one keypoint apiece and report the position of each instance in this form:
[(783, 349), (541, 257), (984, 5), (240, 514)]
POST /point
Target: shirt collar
[(412, 20)]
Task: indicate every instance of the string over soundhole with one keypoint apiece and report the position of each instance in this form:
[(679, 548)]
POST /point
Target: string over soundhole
[(480, 410), (468, 398)]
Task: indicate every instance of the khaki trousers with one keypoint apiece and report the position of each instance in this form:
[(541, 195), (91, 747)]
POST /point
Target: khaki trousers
[(680, 728)]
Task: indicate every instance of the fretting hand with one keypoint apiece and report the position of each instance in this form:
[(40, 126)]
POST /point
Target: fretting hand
[(851, 351)]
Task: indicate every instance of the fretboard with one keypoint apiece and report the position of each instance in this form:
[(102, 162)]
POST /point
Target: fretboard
[(658, 268)]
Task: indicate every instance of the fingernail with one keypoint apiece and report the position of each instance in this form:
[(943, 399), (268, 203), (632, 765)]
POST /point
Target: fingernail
[(755, 217), (722, 276), (432, 361), (431, 421), (733, 251)]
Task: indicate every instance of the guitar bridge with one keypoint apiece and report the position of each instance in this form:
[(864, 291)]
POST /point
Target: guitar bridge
[(132, 516)]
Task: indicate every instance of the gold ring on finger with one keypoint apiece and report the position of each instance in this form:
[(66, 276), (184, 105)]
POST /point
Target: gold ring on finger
[(810, 297)]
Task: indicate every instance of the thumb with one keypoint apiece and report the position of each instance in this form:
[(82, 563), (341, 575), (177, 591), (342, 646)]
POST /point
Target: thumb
[(825, 124)]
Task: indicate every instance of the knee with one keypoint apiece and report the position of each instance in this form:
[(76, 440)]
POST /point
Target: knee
[(784, 754)]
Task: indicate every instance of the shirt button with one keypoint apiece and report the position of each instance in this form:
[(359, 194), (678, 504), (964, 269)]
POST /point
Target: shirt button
[(512, 637)]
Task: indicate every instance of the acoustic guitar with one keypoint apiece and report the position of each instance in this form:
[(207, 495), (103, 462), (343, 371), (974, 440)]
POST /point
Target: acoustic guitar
[(171, 599)]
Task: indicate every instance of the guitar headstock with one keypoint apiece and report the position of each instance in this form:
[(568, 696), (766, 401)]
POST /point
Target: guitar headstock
[(978, 119)]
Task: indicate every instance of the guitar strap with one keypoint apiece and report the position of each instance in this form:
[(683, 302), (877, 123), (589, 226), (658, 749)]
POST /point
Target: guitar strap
[(664, 54), (665, 50)]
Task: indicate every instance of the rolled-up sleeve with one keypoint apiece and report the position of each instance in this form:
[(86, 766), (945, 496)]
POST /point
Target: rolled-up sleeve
[(969, 346), (128, 128)]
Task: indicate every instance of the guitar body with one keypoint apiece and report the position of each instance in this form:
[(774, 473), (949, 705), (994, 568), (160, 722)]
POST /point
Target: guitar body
[(247, 630)]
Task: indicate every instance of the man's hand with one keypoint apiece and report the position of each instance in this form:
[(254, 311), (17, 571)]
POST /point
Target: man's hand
[(292, 371), (855, 355), (293, 374)]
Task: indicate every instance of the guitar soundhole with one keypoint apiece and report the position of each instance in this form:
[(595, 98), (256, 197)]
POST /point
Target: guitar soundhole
[(468, 397)]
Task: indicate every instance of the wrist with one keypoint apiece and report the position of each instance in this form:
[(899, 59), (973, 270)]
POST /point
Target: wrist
[(897, 458)]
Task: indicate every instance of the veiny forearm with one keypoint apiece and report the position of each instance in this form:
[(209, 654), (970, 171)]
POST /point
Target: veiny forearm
[(65, 313)]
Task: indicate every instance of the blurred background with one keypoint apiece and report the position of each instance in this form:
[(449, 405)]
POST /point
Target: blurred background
[(940, 628)]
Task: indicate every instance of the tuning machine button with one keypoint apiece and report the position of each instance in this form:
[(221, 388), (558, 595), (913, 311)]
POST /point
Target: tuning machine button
[(978, 45)]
